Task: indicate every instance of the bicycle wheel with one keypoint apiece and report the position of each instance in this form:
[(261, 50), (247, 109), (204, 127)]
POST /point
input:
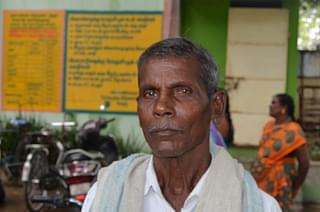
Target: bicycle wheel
[(39, 167), (2, 193)]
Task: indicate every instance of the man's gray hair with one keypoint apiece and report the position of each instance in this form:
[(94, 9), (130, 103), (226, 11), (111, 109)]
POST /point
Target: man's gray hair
[(183, 48)]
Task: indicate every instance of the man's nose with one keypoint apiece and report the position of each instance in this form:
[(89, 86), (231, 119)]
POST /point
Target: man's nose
[(164, 106)]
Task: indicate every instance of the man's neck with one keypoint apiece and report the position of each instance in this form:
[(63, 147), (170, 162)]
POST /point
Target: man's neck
[(178, 176)]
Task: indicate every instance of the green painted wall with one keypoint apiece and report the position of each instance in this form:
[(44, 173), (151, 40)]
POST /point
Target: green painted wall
[(206, 22), (293, 55)]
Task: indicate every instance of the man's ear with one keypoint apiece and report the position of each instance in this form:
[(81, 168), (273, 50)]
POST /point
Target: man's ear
[(218, 105)]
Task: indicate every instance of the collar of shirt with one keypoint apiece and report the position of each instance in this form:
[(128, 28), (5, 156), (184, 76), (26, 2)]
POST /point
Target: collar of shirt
[(153, 195)]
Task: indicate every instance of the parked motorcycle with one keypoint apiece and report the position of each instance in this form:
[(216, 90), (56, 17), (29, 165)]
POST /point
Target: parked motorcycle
[(39, 174), (80, 168), (90, 139), (66, 183)]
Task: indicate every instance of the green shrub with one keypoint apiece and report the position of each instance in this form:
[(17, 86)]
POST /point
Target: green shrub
[(127, 146), (12, 134)]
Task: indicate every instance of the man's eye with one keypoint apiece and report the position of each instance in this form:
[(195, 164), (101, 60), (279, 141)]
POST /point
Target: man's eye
[(149, 93), (183, 90)]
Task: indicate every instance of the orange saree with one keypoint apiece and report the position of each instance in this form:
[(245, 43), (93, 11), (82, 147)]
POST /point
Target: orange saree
[(275, 168)]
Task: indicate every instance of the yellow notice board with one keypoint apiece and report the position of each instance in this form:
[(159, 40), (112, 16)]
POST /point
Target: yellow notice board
[(101, 55), (32, 60)]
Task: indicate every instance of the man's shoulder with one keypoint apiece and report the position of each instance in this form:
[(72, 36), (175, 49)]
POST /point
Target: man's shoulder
[(132, 159), (251, 195), (255, 199), (112, 181), (223, 157), (124, 165), (270, 204), (252, 198)]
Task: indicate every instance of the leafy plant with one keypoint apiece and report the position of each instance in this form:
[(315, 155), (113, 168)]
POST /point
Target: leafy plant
[(127, 146), (13, 130), (309, 25), (67, 134), (130, 146)]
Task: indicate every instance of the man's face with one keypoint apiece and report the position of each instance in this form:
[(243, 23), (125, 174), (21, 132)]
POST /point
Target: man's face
[(173, 106)]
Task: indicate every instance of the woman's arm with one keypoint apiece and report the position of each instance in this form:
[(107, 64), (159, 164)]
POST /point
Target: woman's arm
[(303, 167)]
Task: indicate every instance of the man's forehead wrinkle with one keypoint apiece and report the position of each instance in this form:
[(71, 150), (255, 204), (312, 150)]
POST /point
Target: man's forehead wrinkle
[(173, 66), (155, 58), (162, 79), (182, 59), (167, 84)]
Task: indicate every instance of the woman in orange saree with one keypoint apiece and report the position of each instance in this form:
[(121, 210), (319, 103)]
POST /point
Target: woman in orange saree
[(281, 147)]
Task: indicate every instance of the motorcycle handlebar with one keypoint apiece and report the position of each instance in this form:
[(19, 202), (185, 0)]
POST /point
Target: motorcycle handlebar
[(94, 126), (107, 121), (104, 122)]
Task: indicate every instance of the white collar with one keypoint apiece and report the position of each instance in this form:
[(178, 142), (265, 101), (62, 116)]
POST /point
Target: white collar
[(153, 185)]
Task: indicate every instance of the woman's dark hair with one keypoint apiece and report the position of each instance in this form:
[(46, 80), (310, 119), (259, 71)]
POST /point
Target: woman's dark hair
[(229, 119), (287, 101)]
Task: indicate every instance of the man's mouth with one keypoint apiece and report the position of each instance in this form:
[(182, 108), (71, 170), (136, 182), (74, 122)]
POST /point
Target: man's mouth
[(165, 131)]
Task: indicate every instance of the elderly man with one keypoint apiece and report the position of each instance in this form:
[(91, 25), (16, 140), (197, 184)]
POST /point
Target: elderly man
[(177, 100)]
